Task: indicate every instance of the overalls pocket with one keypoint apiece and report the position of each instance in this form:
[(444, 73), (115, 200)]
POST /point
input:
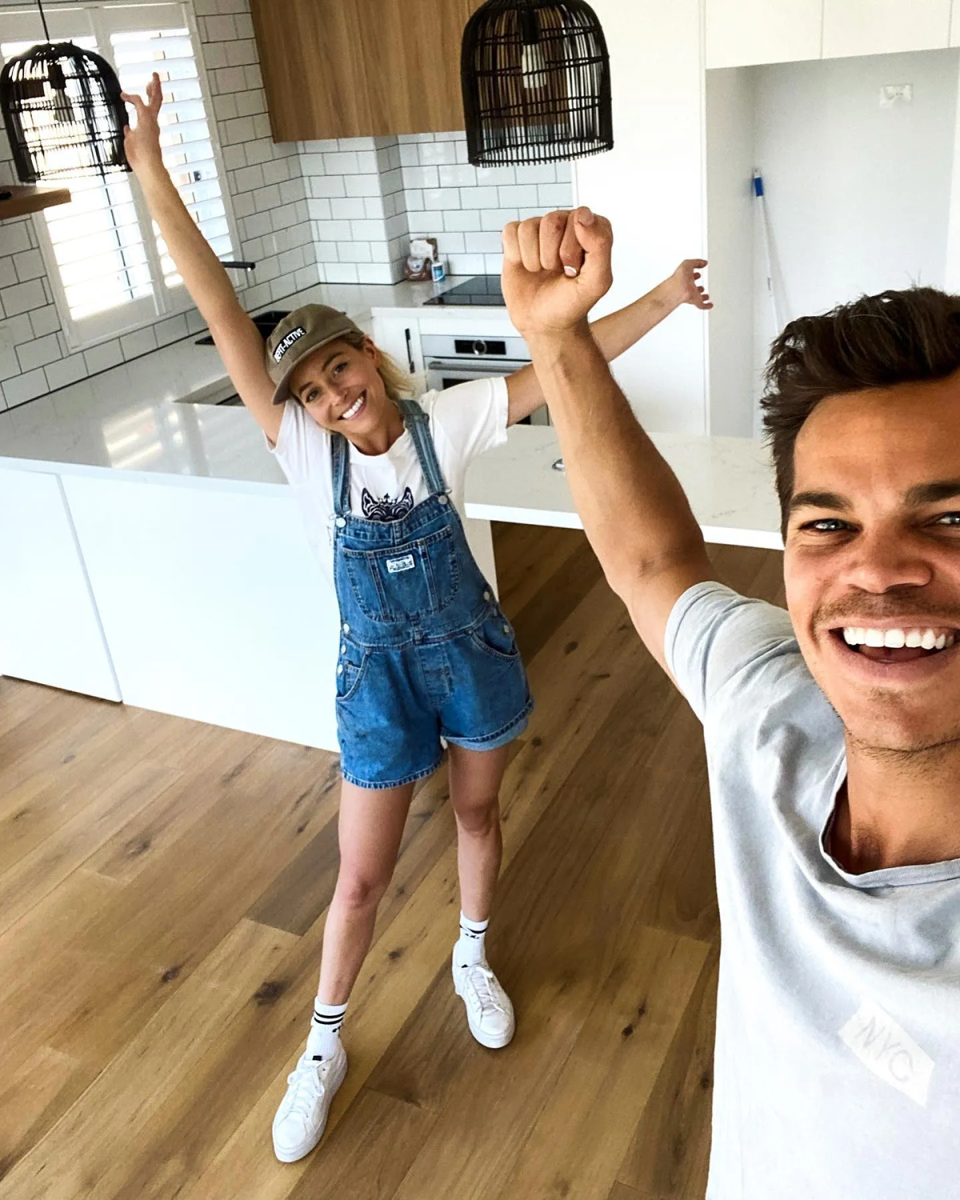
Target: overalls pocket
[(403, 583), (350, 673), (495, 637)]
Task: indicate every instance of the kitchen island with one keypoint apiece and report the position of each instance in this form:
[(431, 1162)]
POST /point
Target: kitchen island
[(152, 552)]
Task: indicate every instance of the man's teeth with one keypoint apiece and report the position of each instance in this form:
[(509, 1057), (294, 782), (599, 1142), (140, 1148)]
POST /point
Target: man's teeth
[(354, 408), (927, 639)]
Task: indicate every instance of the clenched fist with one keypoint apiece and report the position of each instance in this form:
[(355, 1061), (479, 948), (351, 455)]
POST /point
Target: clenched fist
[(555, 269)]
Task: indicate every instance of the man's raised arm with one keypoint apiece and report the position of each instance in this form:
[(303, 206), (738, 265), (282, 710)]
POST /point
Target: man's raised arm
[(633, 509)]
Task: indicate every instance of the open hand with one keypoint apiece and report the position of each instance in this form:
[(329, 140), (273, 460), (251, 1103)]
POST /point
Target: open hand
[(685, 280), (142, 144), (555, 269)]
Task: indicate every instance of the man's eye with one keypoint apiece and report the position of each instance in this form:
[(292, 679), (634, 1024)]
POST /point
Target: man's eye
[(950, 519), (339, 367), (825, 525), (312, 395)]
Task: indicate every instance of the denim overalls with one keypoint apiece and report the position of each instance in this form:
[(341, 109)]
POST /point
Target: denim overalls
[(425, 652)]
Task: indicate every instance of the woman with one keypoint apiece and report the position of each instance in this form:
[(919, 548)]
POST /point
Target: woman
[(425, 654)]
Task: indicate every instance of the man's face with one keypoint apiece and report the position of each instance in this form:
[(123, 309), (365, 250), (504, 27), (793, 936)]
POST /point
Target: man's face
[(873, 554)]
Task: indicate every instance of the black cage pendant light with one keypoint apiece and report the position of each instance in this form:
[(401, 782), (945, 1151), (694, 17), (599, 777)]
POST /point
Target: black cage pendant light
[(62, 110), (536, 82)]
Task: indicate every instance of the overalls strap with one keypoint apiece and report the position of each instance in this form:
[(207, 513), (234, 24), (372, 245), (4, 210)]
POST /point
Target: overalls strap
[(418, 423), (340, 450)]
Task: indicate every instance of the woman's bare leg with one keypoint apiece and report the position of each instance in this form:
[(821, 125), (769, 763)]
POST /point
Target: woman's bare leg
[(371, 825), (475, 778)]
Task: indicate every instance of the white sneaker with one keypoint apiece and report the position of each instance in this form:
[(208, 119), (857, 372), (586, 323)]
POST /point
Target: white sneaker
[(302, 1115), (489, 1011)]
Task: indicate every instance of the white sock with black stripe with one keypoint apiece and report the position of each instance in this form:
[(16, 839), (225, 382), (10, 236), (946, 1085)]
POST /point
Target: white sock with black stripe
[(470, 949), (325, 1029)]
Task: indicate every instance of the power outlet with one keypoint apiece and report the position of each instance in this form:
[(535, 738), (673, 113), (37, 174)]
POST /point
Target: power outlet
[(892, 95)]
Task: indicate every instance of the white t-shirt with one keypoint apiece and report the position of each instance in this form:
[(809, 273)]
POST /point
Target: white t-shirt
[(465, 421), (837, 1062)]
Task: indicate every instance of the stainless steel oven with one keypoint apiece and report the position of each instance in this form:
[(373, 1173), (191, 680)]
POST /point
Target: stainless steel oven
[(454, 358)]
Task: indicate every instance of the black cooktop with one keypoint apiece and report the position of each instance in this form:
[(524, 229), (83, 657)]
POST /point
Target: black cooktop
[(483, 291)]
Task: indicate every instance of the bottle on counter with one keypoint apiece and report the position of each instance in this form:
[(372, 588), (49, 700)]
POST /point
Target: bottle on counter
[(438, 270)]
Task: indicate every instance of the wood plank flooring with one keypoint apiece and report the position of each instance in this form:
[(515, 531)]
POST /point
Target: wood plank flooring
[(163, 886)]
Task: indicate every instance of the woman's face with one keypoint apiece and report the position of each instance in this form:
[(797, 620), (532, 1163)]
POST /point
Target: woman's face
[(340, 387)]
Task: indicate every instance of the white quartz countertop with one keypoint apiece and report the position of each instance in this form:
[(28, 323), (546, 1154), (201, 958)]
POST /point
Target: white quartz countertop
[(128, 420)]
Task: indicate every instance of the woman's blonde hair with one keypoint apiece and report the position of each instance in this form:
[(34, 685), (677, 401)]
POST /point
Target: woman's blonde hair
[(399, 383)]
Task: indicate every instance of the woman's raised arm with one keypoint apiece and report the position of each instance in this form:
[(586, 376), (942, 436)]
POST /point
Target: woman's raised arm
[(235, 335)]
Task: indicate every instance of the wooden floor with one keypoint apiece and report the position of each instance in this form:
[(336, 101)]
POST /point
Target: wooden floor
[(163, 887)]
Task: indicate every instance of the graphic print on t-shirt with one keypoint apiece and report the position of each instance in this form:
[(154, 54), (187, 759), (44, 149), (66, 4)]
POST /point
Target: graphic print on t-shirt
[(386, 508)]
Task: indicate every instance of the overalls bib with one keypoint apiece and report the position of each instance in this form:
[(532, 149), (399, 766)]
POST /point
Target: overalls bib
[(425, 651)]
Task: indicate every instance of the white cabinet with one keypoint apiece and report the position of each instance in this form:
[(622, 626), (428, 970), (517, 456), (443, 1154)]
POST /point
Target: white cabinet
[(400, 338), (742, 33), (857, 27), (212, 602), (49, 626)]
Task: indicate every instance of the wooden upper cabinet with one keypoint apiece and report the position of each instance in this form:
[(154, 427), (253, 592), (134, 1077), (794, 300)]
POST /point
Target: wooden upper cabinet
[(854, 27), (743, 33), (359, 68)]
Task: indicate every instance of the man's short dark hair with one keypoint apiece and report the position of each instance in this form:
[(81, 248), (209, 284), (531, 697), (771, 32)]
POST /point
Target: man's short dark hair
[(876, 341)]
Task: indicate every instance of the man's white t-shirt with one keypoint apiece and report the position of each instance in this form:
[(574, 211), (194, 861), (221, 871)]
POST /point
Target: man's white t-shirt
[(465, 421), (837, 1062)]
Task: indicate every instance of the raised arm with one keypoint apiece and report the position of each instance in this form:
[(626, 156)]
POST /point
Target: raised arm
[(617, 332), (633, 508), (234, 334)]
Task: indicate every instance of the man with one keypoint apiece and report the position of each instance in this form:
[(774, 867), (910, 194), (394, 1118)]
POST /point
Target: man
[(832, 734)]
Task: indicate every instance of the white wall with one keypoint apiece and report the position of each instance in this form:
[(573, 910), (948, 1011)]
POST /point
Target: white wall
[(858, 195), (651, 185), (731, 218)]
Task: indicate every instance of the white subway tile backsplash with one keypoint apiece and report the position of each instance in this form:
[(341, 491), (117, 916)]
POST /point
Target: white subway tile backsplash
[(102, 357), (437, 153), (355, 252), (341, 272), (16, 236), (65, 371), (554, 195), (466, 220), (465, 264), (496, 175), (142, 341), (440, 198), (421, 177), (409, 154), (479, 197), (334, 231), (26, 387), (482, 243), (267, 198), (458, 176), (493, 264), (375, 273), (350, 209), (319, 210), (170, 330), (518, 195), (452, 243), (343, 162), (327, 186), (8, 272), (44, 321), (494, 219), (38, 353), (24, 296), (362, 185)]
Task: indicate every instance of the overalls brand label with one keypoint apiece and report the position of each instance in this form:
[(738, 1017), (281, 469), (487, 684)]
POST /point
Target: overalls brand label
[(282, 347), (395, 565), (890, 1053)]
